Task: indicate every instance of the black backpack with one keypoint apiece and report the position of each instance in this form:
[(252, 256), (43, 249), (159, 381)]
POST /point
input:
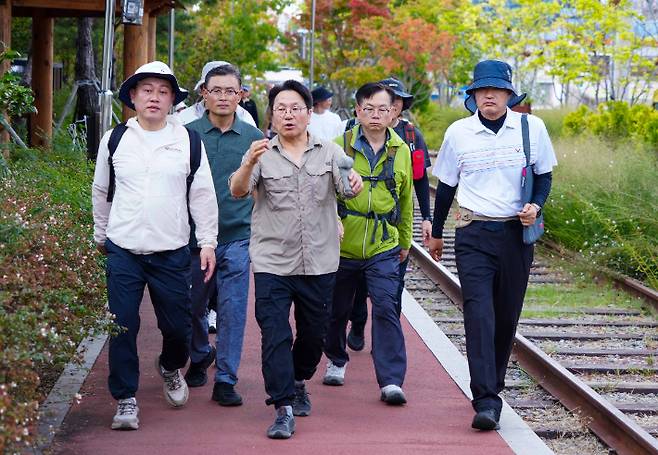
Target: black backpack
[(195, 157)]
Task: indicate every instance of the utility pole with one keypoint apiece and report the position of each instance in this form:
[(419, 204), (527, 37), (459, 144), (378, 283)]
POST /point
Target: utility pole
[(172, 24), (108, 52), (312, 64)]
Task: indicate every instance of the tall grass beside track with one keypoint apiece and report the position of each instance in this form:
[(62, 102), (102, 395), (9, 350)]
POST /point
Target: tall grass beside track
[(604, 204)]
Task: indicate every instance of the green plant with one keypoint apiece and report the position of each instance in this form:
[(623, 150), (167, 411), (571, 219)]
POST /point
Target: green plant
[(51, 280), (434, 119), (15, 99)]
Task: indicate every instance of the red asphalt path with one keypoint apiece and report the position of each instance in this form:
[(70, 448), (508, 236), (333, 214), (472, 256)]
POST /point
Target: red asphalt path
[(344, 420)]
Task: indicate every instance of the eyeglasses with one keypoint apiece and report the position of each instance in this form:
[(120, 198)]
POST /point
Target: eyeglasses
[(294, 110), (370, 111), (217, 91)]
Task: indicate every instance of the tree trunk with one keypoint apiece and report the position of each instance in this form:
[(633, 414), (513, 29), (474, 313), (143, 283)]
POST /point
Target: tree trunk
[(85, 71)]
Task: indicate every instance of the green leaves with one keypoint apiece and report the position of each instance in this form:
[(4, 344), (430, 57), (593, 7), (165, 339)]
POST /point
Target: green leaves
[(15, 99)]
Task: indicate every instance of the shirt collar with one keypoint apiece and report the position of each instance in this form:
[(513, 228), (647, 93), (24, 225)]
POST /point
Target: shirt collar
[(361, 139), (312, 142), (237, 127), (512, 121)]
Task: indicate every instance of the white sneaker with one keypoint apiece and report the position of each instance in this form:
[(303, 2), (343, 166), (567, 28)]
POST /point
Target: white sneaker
[(175, 387), (126, 416), (393, 394), (335, 375), (212, 321)]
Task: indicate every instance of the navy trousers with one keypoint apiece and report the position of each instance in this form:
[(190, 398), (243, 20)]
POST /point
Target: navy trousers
[(167, 275), (283, 361), (493, 265), (359, 315), (381, 274)]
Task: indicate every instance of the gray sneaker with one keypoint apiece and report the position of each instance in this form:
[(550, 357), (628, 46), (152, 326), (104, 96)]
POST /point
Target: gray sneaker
[(393, 394), (335, 375), (175, 387), (126, 416), (284, 424), (301, 404)]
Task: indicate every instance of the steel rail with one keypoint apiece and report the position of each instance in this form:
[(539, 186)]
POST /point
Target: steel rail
[(613, 427)]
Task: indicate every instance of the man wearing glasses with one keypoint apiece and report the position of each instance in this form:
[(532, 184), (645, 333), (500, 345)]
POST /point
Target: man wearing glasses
[(226, 139), (294, 246), (378, 228)]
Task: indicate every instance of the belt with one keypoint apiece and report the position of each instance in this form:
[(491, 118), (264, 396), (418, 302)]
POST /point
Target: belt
[(467, 216)]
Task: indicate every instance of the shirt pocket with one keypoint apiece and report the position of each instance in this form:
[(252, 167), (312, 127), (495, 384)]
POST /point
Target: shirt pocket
[(280, 189), (320, 180)]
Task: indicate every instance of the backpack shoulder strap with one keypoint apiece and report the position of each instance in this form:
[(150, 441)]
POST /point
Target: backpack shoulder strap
[(112, 144), (347, 142), (195, 157), (525, 132)]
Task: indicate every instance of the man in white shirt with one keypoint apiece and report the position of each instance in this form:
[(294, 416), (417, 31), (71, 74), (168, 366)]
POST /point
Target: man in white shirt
[(196, 111), (141, 222), (484, 156), (324, 123)]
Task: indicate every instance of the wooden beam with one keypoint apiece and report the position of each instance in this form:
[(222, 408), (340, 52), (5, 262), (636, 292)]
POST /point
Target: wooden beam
[(135, 52), (153, 21), (5, 42), (41, 124), (80, 5)]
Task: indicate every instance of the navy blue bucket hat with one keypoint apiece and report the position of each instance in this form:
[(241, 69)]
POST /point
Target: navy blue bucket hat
[(321, 94), (492, 73), (400, 91)]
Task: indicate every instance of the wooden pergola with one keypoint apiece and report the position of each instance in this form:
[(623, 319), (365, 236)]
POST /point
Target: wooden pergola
[(138, 47)]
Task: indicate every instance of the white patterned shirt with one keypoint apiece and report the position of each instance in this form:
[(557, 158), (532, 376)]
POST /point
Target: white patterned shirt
[(487, 166)]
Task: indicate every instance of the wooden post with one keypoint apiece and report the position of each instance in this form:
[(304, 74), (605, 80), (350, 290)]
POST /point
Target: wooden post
[(42, 79), (5, 37), (135, 52), (153, 21)]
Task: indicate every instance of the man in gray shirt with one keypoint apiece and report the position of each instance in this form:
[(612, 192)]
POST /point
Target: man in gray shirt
[(294, 246)]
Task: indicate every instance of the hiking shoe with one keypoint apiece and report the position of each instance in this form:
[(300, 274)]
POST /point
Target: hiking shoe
[(126, 416), (212, 321), (175, 387), (393, 394), (196, 375), (225, 394), (301, 404), (335, 375), (486, 420), (284, 424), (356, 339)]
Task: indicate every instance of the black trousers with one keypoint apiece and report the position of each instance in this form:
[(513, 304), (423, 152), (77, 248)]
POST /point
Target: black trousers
[(493, 266), (167, 275), (283, 361)]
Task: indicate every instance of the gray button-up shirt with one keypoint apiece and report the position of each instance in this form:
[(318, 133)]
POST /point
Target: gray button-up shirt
[(294, 228)]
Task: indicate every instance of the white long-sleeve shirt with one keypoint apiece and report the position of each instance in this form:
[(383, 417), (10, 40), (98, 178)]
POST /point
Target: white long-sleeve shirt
[(149, 212)]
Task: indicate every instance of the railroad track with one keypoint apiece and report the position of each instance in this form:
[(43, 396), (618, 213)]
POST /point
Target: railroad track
[(572, 375)]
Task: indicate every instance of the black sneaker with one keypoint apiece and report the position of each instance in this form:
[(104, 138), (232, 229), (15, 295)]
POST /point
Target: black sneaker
[(356, 339), (196, 375), (225, 394), (301, 404), (486, 420), (284, 424)]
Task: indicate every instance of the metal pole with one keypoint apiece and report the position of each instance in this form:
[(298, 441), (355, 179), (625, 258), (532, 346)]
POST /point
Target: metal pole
[(312, 69), (172, 23), (108, 52)]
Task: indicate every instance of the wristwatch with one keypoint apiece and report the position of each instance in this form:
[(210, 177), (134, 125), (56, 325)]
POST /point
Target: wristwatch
[(537, 207), (427, 218)]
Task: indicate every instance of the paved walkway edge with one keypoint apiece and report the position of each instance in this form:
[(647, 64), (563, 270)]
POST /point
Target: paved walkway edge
[(58, 403), (516, 433)]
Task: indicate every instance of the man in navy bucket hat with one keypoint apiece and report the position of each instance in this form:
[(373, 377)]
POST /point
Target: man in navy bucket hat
[(484, 156)]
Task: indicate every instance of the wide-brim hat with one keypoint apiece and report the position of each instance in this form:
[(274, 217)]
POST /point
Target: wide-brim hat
[(151, 69), (321, 94), (400, 91), (495, 74), (206, 69)]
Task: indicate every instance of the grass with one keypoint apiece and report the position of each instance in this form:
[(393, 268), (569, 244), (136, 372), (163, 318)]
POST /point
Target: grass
[(603, 205)]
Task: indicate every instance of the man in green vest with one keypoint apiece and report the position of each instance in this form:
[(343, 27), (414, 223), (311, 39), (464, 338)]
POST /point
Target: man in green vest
[(378, 230)]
